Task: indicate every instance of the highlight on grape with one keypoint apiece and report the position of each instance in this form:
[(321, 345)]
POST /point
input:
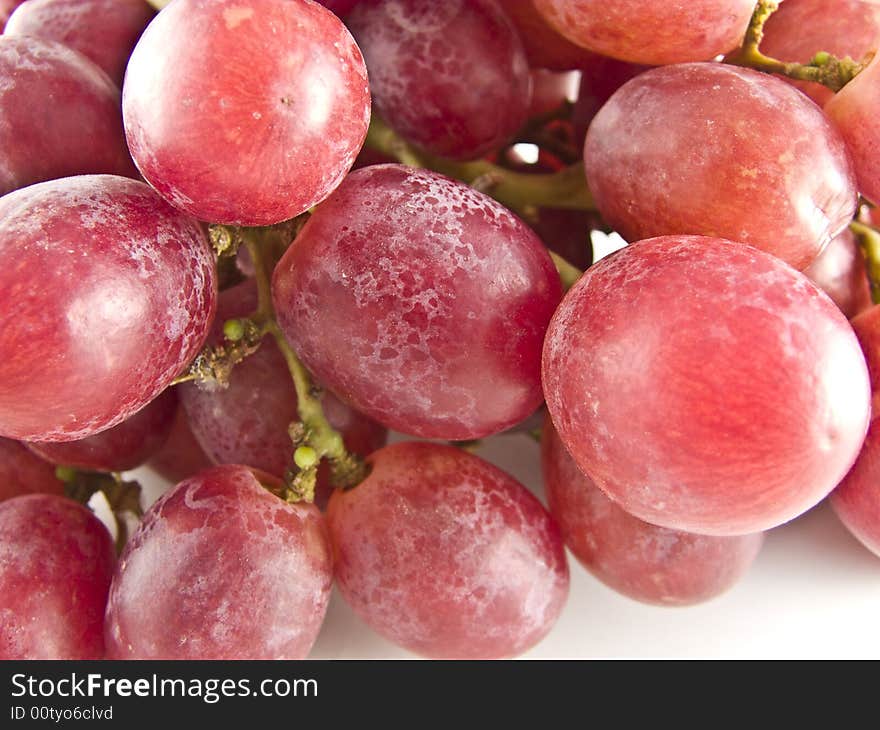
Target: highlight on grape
[(244, 240)]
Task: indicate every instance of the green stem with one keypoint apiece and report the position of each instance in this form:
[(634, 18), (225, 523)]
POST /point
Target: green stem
[(568, 273), (824, 68), (517, 190), (869, 240)]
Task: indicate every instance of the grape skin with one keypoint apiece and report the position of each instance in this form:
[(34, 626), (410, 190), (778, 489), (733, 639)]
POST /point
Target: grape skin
[(705, 386), (220, 568), (106, 294), (855, 501), (56, 561), (867, 328), (245, 114), (59, 115), (418, 53), (181, 456), (446, 555), (105, 31), (659, 152), (420, 302), (22, 472), (652, 32), (840, 273), (6, 9), (647, 563)]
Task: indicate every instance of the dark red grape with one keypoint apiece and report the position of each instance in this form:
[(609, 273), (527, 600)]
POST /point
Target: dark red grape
[(645, 562), (56, 561), (716, 150), (248, 113), (420, 302), (651, 31), (181, 456), (120, 448), (422, 55), (22, 472), (104, 31), (340, 7), (840, 272), (221, 568), (59, 115), (106, 294), (706, 386), (247, 422), (446, 555)]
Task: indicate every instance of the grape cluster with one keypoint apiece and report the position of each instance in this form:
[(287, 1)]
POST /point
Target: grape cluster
[(243, 239)]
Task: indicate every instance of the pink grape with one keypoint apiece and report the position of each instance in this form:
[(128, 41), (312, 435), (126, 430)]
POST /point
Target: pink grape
[(104, 31), (418, 53), (853, 110), (181, 456), (801, 28), (59, 115), (716, 150), (248, 113), (22, 472), (247, 422), (221, 568), (647, 563), (6, 9), (120, 448), (856, 501), (652, 32), (446, 555), (420, 302), (840, 272), (867, 328), (705, 386), (106, 294), (56, 561), (599, 80)]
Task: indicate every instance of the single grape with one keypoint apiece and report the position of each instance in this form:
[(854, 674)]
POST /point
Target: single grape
[(106, 294), (56, 561), (181, 456), (104, 31), (652, 32), (248, 113), (840, 272), (599, 80), (446, 555), (856, 501), (120, 448), (221, 568), (647, 563), (867, 328), (799, 29), (247, 422), (452, 77), (420, 302), (22, 472), (721, 151), (853, 110), (705, 386), (59, 115)]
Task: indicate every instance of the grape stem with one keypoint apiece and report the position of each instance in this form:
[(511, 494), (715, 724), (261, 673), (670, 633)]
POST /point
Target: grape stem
[(869, 241), (314, 430), (568, 273), (823, 68), (518, 191)]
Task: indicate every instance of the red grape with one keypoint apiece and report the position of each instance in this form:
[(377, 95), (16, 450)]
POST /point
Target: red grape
[(651, 31), (599, 80), (550, 90), (120, 448), (720, 151), (867, 328), (59, 115), (420, 302), (221, 568), (647, 563), (103, 30), (446, 555), (706, 386), (248, 113), (181, 456), (801, 28), (6, 8), (854, 112), (22, 472), (857, 499), (106, 294), (56, 561), (340, 7), (247, 422), (419, 52), (840, 272)]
